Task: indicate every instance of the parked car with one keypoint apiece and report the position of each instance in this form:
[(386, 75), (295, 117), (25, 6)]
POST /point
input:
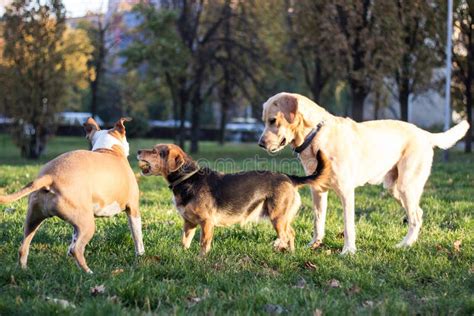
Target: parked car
[(77, 118)]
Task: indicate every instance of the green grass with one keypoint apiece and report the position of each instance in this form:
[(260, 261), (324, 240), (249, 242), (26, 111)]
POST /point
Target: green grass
[(242, 274)]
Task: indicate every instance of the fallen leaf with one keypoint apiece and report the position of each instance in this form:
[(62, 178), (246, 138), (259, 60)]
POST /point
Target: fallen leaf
[(316, 245), (333, 283), (310, 266), (457, 246), (60, 302), (328, 251), (113, 299), (245, 260), (193, 300), (155, 258), (117, 271), (318, 312), (98, 289), (10, 210), (471, 269), (273, 309), (340, 235), (368, 304), (301, 284), (439, 247), (218, 266), (354, 289)]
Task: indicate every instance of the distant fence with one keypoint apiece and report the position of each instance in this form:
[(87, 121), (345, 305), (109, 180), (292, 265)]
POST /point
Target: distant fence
[(210, 134)]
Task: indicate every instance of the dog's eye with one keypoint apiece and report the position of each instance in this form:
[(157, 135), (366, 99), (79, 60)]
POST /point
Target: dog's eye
[(162, 153), (272, 121)]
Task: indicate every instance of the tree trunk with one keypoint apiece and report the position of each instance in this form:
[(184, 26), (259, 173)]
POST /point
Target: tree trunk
[(468, 137), (358, 98), (183, 99), (94, 88), (376, 104), (222, 124), (403, 98), (34, 145), (98, 74), (318, 81), (195, 124)]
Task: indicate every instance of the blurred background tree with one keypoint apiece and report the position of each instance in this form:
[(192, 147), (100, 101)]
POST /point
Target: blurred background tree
[(41, 66), (463, 57), (196, 65)]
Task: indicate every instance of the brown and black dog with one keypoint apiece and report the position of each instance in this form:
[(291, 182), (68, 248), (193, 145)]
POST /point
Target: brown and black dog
[(208, 198)]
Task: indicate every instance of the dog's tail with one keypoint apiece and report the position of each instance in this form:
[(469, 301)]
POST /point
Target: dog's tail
[(450, 137), (41, 182), (320, 177)]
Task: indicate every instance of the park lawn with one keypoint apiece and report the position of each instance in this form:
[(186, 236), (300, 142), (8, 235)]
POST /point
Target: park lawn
[(242, 274)]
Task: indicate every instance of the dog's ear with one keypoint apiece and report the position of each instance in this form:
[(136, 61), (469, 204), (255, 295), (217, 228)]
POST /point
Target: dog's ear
[(288, 105), (119, 125), (176, 159), (90, 126)]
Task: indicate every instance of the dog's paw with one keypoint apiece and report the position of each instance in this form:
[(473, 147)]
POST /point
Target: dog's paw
[(404, 244), (346, 250), (315, 244), (280, 245)]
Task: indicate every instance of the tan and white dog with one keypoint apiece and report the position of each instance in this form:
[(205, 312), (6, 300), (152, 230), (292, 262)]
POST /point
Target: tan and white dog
[(80, 185), (395, 153)]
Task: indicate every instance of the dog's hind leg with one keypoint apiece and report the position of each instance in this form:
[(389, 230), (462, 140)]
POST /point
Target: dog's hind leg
[(85, 230), (416, 170), (320, 201), (34, 218), (207, 232), (282, 243), (295, 206), (135, 224)]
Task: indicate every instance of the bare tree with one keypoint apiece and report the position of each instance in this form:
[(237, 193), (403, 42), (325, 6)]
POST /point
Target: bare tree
[(311, 43), (463, 60), (419, 35), (364, 37)]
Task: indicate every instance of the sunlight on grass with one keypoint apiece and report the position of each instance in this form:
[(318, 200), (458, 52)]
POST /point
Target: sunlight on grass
[(243, 274)]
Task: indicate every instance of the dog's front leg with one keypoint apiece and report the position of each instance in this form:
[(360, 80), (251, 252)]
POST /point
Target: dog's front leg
[(189, 229), (135, 224), (320, 202), (207, 231), (347, 199)]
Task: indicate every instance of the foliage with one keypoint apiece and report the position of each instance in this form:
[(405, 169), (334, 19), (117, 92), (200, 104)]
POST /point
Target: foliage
[(463, 62), (242, 274), (420, 30), (366, 44), (77, 50), (43, 66), (96, 30)]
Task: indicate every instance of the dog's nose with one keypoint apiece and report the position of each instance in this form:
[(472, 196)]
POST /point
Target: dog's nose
[(139, 152), (261, 143)]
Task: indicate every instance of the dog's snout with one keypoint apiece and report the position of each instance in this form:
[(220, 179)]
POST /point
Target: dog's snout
[(261, 143), (139, 152)]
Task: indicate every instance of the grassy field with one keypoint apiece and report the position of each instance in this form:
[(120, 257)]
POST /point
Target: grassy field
[(242, 274)]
